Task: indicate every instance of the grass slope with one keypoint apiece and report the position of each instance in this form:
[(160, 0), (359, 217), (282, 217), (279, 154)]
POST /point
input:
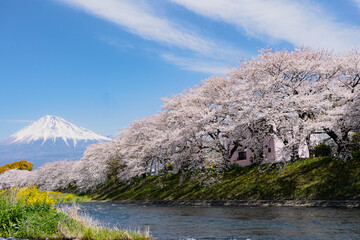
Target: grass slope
[(31, 213), (308, 179)]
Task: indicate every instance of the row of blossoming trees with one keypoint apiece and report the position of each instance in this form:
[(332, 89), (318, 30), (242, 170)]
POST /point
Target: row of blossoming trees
[(287, 95)]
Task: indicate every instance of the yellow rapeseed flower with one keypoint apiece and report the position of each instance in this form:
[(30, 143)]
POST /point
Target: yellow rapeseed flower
[(54, 193), (33, 196), (69, 198)]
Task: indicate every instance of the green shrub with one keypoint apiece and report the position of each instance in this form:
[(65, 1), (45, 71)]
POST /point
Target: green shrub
[(322, 150), (355, 142), (169, 167), (113, 167), (10, 217)]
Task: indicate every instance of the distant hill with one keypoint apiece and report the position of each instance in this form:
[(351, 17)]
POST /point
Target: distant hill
[(48, 139)]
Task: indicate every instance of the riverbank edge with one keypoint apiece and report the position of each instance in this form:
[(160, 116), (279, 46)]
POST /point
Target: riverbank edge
[(313, 182), (246, 203)]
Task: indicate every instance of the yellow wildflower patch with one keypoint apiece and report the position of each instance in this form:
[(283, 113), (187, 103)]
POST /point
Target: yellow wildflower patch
[(54, 192), (69, 198), (33, 196)]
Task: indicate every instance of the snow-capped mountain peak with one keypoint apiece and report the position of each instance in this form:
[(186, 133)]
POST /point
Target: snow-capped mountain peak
[(54, 128)]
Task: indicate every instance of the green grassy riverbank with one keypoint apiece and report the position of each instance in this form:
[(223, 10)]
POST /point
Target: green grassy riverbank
[(308, 179), (29, 213)]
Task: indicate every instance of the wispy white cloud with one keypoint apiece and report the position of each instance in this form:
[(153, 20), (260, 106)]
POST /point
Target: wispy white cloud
[(297, 22), (357, 2), (138, 18), (118, 43), (196, 64)]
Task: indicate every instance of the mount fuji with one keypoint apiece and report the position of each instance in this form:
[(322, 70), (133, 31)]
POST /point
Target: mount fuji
[(48, 139)]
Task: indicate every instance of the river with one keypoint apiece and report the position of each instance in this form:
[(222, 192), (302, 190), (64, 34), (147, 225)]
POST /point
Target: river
[(187, 222)]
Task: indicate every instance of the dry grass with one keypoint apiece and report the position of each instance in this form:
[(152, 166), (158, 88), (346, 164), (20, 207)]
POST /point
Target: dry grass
[(88, 228)]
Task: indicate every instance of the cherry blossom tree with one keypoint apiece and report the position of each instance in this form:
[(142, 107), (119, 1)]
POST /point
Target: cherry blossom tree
[(55, 175), (343, 113), (97, 165), (280, 94), (288, 89), (16, 178)]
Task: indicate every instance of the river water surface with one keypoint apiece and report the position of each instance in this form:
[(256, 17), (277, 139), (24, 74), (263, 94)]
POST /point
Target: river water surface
[(186, 222)]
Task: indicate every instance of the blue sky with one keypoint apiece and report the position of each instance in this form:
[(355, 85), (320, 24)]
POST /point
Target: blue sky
[(101, 64)]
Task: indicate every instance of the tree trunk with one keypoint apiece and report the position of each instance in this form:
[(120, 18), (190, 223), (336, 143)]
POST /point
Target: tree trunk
[(342, 143)]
